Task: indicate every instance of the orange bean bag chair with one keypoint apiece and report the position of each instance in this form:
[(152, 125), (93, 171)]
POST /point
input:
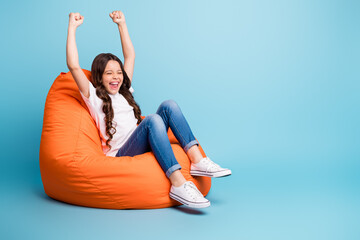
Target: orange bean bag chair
[(75, 170)]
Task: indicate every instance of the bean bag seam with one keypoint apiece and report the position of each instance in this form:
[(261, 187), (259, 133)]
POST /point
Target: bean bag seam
[(81, 172)]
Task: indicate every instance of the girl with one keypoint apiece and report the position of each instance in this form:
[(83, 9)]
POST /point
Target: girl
[(118, 117)]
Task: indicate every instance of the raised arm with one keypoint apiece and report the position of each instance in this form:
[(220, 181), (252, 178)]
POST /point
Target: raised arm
[(72, 57), (127, 47)]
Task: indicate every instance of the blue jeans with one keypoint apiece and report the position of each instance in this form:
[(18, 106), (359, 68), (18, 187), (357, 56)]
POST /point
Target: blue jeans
[(151, 135)]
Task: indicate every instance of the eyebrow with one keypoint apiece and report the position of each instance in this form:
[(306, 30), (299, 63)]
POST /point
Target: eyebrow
[(111, 70)]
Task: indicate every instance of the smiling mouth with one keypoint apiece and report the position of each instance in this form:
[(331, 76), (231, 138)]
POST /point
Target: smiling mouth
[(114, 85)]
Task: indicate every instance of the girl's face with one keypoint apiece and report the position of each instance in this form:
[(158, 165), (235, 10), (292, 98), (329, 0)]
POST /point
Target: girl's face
[(112, 77)]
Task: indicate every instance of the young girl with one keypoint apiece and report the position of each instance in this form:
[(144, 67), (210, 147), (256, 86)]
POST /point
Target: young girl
[(118, 117)]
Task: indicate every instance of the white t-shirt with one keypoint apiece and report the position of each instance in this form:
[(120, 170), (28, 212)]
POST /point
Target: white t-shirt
[(124, 119)]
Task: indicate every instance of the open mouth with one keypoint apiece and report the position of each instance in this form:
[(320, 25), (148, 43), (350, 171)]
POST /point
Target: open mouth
[(114, 85)]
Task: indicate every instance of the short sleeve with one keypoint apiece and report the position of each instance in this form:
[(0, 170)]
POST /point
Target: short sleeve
[(93, 101), (92, 93)]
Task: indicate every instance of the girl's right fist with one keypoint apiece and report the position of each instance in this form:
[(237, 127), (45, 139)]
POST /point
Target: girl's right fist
[(75, 19)]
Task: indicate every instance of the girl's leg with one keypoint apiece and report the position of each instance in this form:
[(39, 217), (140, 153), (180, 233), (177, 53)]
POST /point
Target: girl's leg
[(151, 135), (171, 114), (173, 117), (177, 179), (194, 154)]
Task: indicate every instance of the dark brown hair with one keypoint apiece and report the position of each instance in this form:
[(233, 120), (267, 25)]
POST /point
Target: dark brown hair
[(97, 70)]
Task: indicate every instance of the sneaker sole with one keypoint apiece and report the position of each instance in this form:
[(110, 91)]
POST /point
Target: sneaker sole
[(188, 203), (207, 174)]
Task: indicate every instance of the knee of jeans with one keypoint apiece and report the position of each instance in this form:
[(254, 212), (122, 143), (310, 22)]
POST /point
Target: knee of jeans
[(155, 121), (169, 104)]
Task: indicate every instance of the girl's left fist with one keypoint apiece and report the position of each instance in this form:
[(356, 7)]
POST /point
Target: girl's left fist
[(117, 17)]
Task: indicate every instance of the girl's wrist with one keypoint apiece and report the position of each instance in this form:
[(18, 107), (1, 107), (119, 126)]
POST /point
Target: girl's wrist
[(72, 27), (121, 24)]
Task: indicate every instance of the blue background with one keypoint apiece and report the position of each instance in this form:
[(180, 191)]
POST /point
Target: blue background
[(270, 89)]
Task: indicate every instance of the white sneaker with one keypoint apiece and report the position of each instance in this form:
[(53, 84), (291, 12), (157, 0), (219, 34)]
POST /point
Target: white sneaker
[(208, 168), (189, 195)]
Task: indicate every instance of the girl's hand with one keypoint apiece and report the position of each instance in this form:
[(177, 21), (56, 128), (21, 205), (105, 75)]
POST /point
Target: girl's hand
[(117, 17), (75, 19)]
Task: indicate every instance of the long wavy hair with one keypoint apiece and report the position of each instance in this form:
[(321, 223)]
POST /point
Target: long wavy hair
[(97, 70)]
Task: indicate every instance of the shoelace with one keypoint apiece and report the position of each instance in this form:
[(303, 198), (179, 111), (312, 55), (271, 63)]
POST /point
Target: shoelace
[(192, 190), (211, 165)]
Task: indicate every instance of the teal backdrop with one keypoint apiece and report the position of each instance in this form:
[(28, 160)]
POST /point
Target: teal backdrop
[(270, 89)]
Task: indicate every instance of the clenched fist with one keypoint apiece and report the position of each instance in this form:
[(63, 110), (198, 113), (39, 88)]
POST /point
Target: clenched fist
[(117, 17), (75, 19)]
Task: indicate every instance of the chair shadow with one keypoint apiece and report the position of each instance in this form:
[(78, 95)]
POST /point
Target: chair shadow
[(187, 210), (42, 195)]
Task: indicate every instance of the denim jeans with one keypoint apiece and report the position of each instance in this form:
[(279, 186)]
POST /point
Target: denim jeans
[(151, 135)]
